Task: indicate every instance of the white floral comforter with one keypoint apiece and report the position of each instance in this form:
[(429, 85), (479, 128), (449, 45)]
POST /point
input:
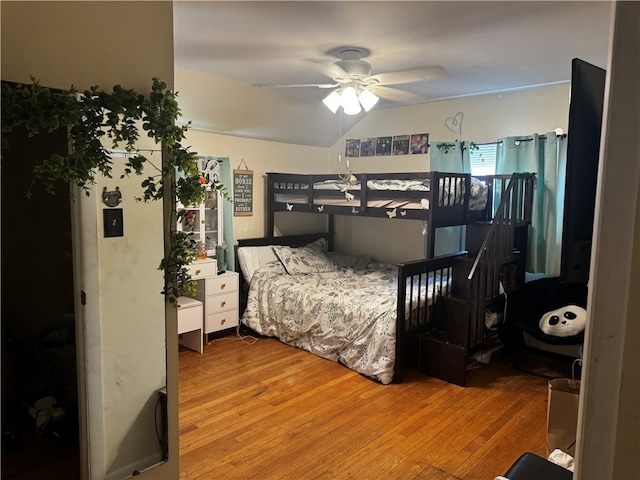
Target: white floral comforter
[(346, 316), (395, 185)]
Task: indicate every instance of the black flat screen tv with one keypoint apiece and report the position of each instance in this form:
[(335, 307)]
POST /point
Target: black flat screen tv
[(583, 153)]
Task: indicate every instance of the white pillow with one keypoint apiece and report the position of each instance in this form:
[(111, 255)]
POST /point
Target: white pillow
[(304, 260), (357, 262), (320, 244), (252, 258)]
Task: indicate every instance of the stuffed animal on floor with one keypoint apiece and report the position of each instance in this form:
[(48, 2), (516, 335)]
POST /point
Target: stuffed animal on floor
[(564, 322)]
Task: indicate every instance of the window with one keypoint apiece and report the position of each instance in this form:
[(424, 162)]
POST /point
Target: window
[(483, 159)]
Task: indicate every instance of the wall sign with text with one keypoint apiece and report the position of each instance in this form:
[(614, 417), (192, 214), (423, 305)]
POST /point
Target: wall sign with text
[(242, 191)]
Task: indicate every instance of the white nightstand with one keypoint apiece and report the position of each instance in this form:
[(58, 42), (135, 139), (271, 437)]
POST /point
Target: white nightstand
[(218, 293), (221, 305)]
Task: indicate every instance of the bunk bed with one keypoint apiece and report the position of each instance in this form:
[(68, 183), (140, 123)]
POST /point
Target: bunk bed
[(443, 298), (439, 199)]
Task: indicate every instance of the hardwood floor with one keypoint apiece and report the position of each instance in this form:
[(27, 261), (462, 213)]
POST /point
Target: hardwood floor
[(270, 411)]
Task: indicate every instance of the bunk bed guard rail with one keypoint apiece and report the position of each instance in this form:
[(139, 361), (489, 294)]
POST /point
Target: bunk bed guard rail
[(439, 198)]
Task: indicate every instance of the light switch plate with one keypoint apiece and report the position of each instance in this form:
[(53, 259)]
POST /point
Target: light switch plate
[(113, 222)]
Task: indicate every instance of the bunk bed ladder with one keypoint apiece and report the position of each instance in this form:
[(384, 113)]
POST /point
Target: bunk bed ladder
[(476, 281), (503, 247)]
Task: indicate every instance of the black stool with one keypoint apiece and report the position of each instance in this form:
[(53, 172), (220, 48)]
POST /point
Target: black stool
[(533, 467)]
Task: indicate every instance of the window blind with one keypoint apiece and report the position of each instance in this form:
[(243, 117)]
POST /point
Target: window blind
[(483, 159)]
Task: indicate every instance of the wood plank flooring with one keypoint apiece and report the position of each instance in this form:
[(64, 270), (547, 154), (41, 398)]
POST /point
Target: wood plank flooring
[(269, 411)]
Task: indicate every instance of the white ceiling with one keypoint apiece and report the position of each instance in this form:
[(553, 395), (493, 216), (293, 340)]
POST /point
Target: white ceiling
[(485, 46)]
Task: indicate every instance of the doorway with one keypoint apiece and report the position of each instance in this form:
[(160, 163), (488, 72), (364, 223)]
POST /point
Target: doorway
[(39, 375)]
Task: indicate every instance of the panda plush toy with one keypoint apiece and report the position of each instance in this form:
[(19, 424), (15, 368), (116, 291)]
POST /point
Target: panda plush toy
[(564, 321)]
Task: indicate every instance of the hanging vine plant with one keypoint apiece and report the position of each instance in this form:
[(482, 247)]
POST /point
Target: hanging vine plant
[(94, 118)]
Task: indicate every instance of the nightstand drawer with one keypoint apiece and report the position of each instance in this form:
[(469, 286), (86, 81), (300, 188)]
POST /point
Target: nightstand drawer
[(202, 269), (220, 321), (222, 284), (222, 302)]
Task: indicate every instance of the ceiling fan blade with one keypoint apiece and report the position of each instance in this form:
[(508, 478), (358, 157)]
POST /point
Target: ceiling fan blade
[(396, 95), (409, 76), (296, 85)]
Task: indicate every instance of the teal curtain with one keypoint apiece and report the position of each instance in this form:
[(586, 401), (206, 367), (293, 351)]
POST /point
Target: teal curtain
[(544, 155), (449, 157)]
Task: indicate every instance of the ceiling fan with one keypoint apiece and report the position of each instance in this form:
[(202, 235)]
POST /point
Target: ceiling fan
[(352, 78)]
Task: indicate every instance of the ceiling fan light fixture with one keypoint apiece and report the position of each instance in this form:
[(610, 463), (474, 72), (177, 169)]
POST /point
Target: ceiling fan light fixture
[(367, 99), (350, 103), (333, 101)]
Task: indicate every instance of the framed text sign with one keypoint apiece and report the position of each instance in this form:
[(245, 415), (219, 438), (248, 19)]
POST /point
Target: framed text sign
[(242, 191)]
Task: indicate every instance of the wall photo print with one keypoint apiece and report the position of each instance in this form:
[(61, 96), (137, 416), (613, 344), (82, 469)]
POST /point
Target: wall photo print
[(383, 146), (367, 147), (352, 148), (419, 143), (400, 145)]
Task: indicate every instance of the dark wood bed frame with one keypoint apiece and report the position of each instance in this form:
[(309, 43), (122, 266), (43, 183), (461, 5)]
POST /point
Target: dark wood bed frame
[(414, 320), (455, 316)]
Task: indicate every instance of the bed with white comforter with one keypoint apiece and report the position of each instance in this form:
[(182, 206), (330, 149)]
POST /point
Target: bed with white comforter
[(347, 315), (337, 312)]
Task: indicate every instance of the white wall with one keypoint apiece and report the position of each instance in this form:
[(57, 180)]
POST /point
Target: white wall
[(485, 119), (122, 344)]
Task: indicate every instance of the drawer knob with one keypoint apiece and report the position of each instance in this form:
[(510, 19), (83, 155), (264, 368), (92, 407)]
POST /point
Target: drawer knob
[(223, 303), (222, 321), (222, 286), (198, 272)]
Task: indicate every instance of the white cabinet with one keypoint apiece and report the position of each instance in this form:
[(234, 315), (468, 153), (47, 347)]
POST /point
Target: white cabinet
[(205, 221), (221, 305), (218, 293)]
